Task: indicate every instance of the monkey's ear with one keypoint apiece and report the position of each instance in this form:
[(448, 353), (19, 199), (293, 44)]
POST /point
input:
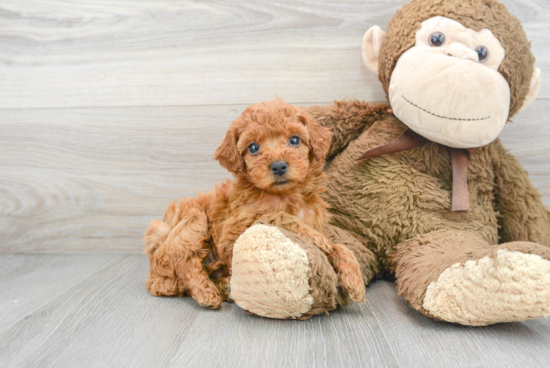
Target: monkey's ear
[(533, 89), (319, 137), (372, 41), (228, 153)]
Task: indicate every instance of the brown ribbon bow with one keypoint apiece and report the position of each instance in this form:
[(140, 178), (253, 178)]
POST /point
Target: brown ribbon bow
[(459, 158)]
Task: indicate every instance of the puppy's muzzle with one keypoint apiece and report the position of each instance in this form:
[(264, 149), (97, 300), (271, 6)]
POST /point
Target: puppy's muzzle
[(279, 168)]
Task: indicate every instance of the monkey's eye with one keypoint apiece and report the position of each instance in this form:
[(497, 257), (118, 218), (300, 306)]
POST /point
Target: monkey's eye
[(437, 39), (295, 141), (253, 148), (482, 53)]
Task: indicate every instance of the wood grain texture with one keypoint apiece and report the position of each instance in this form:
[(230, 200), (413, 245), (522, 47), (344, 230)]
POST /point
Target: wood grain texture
[(108, 319), (76, 180), (160, 53), (419, 341), (93, 179), (527, 137), (28, 282)]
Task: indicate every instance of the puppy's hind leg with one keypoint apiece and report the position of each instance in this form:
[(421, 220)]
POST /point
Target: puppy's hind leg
[(162, 278), (176, 248)]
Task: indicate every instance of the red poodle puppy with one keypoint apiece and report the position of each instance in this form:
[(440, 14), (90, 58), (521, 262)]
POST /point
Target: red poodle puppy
[(276, 154)]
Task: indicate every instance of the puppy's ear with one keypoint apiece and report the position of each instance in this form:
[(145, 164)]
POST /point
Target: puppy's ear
[(228, 154), (319, 137)]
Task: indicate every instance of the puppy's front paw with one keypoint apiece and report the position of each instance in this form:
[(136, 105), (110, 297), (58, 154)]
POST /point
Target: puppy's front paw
[(323, 243), (352, 282), (349, 272)]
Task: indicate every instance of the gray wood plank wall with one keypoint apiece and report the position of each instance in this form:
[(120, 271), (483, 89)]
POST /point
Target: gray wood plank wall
[(111, 109)]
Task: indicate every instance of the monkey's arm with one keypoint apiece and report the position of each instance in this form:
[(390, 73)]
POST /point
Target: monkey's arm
[(346, 120), (523, 215)]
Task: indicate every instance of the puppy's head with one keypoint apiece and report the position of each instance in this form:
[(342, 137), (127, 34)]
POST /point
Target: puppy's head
[(275, 146)]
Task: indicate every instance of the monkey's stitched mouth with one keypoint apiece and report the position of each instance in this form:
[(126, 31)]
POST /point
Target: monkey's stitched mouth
[(443, 117)]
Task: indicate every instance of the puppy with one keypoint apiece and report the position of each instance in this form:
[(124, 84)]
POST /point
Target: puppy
[(276, 154)]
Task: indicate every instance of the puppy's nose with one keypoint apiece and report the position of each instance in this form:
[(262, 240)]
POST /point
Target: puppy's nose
[(279, 168)]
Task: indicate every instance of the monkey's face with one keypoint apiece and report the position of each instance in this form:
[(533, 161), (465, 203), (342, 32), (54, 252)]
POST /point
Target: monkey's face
[(447, 86)]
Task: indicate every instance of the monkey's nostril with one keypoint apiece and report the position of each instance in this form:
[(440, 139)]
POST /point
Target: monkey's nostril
[(279, 168)]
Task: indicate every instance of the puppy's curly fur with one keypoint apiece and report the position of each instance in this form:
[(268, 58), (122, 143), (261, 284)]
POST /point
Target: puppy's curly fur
[(197, 229)]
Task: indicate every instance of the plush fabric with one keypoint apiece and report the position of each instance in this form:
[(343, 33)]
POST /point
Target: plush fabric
[(517, 68), (399, 205), (278, 276), (427, 86), (486, 265), (506, 297)]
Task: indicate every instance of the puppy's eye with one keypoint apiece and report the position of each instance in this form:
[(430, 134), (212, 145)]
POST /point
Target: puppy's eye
[(437, 39), (253, 148), (295, 141), (482, 53)]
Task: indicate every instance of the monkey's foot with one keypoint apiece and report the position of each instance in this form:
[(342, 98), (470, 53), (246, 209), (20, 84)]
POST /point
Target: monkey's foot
[(277, 274), (511, 286)]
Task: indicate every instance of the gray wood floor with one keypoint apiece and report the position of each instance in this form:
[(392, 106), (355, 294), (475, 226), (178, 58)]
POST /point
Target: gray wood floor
[(93, 311)]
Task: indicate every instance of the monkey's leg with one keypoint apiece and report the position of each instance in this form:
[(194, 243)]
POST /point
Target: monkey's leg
[(458, 277), (341, 258), (279, 274), (176, 248)]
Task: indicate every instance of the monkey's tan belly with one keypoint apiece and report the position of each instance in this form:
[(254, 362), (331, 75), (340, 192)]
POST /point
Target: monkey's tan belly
[(392, 198)]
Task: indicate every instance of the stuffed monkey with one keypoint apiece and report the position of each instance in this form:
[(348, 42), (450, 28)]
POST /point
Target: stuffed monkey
[(421, 188)]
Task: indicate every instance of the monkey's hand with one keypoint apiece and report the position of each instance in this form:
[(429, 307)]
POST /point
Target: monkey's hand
[(523, 216), (346, 120)]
